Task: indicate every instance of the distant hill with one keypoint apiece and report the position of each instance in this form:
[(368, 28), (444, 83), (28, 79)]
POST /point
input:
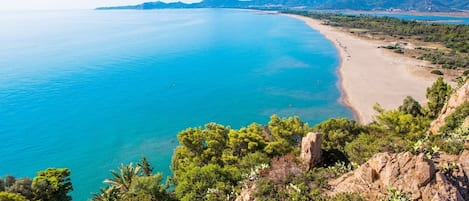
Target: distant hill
[(369, 5)]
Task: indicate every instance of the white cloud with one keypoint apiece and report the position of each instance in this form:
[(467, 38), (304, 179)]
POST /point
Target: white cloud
[(68, 4)]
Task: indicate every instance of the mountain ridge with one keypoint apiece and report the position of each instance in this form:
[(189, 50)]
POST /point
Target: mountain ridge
[(365, 5)]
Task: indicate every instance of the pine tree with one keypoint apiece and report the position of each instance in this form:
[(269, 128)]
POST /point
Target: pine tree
[(146, 167)]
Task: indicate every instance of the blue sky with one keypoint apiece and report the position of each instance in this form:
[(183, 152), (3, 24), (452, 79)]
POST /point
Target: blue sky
[(67, 4)]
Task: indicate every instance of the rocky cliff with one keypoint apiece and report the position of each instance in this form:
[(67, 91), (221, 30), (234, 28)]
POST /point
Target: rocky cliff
[(446, 178), (458, 98)]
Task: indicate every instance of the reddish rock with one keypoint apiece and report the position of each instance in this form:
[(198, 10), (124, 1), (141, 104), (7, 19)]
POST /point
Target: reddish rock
[(456, 99), (311, 150), (413, 174)]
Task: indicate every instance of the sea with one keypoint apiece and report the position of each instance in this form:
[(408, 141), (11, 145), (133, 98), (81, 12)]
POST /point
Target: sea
[(89, 90)]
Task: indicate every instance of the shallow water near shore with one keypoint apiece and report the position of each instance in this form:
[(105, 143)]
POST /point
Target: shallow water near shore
[(430, 19), (89, 90)]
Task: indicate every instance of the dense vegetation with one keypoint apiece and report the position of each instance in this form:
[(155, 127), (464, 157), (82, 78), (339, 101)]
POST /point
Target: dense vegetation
[(217, 162), (52, 184), (453, 37)]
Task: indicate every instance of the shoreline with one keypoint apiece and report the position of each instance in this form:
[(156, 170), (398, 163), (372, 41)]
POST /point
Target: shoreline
[(370, 75), (461, 14)]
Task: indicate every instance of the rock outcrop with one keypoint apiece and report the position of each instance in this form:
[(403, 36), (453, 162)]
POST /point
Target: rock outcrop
[(456, 169), (247, 193), (456, 99), (413, 174), (311, 150)]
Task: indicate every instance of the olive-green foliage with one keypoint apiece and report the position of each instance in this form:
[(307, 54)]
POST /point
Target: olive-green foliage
[(397, 195), (367, 145), (455, 119), (412, 107), (397, 122), (346, 197), (436, 72), (437, 96), (210, 161), (252, 160), (52, 184), (266, 190), (9, 181), (2, 184), (200, 146), (145, 166), (452, 142), (246, 140), (134, 183), (111, 193), (393, 131), (462, 80), (148, 188), (7, 196), (24, 187), (123, 177), (338, 132), (305, 186), (454, 37), (299, 189), (285, 134), (209, 182)]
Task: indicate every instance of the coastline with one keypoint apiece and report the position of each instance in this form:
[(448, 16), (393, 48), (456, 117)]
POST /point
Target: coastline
[(462, 14), (370, 75)]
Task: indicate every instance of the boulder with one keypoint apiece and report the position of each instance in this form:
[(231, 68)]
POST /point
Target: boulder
[(311, 150), (413, 174)]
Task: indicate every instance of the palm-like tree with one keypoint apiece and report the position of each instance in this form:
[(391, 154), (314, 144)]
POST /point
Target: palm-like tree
[(110, 193), (123, 179)]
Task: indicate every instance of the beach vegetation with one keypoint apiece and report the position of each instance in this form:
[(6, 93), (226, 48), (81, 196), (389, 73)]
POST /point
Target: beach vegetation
[(466, 73), (454, 38), (436, 72)]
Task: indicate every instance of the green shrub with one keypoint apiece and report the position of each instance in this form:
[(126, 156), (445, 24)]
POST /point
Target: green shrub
[(366, 145), (452, 142), (6, 196), (411, 106), (437, 96), (399, 51), (347, 197), (437, 72), (338, 132), (465, 73), (455, 119), (397, 195)]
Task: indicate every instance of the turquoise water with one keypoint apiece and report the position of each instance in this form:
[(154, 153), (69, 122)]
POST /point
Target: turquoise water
[(437, 19), (89, 90)]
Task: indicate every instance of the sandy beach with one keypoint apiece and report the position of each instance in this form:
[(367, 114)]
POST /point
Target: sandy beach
[(370, 75)]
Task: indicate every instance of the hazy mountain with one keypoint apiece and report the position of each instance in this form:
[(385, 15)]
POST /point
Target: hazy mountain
[(405, 5)]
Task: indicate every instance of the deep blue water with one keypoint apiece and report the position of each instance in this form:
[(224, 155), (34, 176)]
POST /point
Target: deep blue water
[(430, 19), (89, 90)]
